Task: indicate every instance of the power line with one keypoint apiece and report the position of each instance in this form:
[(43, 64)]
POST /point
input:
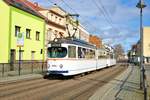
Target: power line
[(87, 22), (50, 1), (69, 6), (105, 14), (105, 11)]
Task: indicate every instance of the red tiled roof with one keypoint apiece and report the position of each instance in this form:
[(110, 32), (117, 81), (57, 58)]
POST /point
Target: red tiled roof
[(33, 5), (21, 4)]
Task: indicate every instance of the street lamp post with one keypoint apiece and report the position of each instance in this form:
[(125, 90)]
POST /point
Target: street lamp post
[(141, 5)]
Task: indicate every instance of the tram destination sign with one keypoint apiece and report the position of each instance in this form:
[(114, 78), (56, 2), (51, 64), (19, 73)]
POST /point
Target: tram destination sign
[(56, 44)]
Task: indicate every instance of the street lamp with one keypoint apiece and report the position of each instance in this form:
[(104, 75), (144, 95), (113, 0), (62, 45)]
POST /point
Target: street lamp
[(141, 5)]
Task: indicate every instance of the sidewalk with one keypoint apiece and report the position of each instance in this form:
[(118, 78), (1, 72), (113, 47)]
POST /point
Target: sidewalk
[(124, 87), (20, 78), (147, 71)]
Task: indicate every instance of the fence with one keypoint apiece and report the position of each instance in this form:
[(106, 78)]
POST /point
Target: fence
[(7, 69)]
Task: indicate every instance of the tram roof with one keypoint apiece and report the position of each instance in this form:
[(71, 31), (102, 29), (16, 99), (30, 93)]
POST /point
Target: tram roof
[(73, 41)]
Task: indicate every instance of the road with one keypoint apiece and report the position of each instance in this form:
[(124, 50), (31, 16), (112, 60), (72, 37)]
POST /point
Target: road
[(75, 88)]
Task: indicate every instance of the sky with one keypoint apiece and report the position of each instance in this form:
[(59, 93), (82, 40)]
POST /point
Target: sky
[(115, 21)]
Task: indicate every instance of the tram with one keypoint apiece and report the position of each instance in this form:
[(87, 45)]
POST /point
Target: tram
[(69, 57)]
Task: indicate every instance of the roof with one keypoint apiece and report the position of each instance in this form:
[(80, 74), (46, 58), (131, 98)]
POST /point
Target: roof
[(38, 8), (22, 4), (73, 41), (34, 5)]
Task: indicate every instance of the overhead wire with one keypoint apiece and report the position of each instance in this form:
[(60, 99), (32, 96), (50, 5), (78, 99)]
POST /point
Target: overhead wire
[(85, 22), (105, 15)]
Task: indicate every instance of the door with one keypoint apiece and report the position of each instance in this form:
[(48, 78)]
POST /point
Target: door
[(12, 59)]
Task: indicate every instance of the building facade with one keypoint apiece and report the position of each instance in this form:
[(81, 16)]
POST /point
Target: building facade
[(136, 51), (20, 18), (60, 24), (146, 44), (55, 24), (96, 41), (83, 34)]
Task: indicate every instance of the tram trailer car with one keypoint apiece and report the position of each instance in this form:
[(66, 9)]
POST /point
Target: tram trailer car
[(69, 57)]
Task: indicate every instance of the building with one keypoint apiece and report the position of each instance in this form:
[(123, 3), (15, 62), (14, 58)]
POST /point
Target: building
[(59, 24), (55, 24), (83, 33), (146, 47), (17, 17), (134, 53), (96, 41), (146, 44)]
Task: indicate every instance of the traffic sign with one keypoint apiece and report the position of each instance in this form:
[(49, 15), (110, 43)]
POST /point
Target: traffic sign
[(20, 40)]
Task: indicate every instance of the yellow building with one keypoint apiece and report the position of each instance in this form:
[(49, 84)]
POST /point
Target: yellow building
[(146, 44), (17, 17)]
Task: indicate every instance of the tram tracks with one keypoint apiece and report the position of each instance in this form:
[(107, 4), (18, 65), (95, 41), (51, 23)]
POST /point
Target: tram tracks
[(86, 88), (75, 88)]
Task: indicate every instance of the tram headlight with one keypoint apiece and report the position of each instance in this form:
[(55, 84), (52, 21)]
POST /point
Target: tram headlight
[(61, 65)]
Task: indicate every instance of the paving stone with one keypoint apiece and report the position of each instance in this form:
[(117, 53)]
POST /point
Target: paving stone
[(124, 87)]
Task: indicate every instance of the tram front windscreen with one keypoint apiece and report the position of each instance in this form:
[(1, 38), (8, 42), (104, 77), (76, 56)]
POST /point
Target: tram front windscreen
[(57, 52)]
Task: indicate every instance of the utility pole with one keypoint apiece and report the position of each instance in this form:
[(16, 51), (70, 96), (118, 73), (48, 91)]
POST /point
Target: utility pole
[(141, 5)]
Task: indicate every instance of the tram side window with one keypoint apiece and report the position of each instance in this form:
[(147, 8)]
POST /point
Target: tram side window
[(88, 54), (81, 52), (71, 51), (111, 56), (92, 54)]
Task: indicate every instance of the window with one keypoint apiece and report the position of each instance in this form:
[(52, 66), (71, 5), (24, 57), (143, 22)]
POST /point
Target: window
[(52, 19), (61, 35), (17, 30), (56, 19), (81, 52), (32, 55), (49, 34), (86, 53), (28, 33), (57, 52), (71, 52), (56, 34), (59, 20), (37, 35)]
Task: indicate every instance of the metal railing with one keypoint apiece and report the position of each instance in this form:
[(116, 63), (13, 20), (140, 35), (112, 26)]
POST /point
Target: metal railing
[(8, 69)]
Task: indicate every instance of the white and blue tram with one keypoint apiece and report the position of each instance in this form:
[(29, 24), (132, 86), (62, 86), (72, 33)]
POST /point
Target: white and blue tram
[(71, 57)]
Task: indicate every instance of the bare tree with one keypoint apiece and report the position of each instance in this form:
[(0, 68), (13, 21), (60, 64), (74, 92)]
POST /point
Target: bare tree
[(119, 51)]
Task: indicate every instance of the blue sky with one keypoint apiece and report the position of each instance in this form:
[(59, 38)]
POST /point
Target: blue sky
[(119, 24)]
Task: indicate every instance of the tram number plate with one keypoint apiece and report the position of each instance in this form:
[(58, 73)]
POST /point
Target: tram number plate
[(56, 45), (54, 66)]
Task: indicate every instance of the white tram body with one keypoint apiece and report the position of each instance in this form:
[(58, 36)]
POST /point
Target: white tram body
[(70, 57)]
